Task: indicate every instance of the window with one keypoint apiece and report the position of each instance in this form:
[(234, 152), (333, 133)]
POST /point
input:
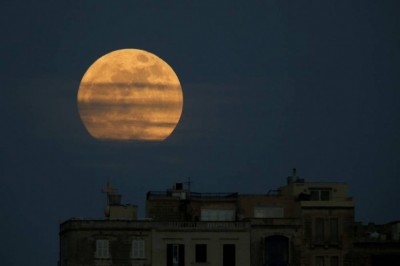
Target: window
[(325, 195), (276, 250), (319, 261), (319, 230), (217, 215), (201, 253), (334, 261), (326, 231), (334, 230), (314, 195), (175, 255), (326, 260), (320, 194), (138, 248), (102, 249), (228, 255), (268, 212)]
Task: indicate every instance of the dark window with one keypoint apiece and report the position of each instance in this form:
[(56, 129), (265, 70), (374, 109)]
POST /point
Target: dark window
[(384, 259), (319, 261), (277, 250), (320, 194), (201, 253), (334, 261), (319, 230), (334, 230), (229, 255), (314, 195), (325, 195), (175, 255)]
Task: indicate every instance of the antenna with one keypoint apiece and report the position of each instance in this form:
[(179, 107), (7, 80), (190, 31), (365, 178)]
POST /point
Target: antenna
[(112, 197), (189, 183)]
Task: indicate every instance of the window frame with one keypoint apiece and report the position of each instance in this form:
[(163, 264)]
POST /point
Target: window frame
[(268, 212), (138, 249), (212, 215), (102, 249), (320, 194)]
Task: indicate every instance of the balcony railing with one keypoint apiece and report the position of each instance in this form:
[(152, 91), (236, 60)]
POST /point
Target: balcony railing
[(76, 224), (201, 225), (194, 195)]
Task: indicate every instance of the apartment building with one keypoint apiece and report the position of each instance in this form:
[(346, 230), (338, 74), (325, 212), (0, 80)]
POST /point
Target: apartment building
[(300, 223)]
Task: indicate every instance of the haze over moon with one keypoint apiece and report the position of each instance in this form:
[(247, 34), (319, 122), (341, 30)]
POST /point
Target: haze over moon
[(130, 94)]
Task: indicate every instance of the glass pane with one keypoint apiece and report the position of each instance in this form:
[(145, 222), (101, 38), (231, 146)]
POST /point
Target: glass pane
[(334, 261), (229, 255), (138, 248), (320, 261), (334, 230), (201, 253), (319, 229), (325, 195), (102, 248), (276, 250), (314, 195)]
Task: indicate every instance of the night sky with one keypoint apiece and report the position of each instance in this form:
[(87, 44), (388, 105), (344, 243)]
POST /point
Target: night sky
[(267, 86)]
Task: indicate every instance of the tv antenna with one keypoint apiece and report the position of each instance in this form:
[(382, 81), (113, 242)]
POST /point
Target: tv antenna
[(188, 183)]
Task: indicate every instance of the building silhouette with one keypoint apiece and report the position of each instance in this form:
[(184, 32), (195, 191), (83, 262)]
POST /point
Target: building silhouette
[(301, 223)]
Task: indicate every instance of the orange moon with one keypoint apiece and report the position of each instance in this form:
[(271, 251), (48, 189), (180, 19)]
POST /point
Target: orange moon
[(130, 94)]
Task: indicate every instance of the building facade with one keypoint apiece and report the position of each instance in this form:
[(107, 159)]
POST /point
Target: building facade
[(301, 223)]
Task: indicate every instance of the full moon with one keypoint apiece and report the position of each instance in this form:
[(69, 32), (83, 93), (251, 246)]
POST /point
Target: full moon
[(130, 94)]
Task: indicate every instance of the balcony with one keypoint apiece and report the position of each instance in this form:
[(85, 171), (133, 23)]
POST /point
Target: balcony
[(76, 224), (275, 221), (327, 242), (192, 195)]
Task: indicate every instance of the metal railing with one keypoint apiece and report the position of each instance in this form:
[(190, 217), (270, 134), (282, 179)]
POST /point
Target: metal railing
[(75, 224), (219, 195)]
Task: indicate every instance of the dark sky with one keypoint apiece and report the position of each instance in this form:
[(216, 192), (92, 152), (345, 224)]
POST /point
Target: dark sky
[(268, 86)]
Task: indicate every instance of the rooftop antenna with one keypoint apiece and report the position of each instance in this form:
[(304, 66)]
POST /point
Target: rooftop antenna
[(189, 183), (112, 197), (293, 178)]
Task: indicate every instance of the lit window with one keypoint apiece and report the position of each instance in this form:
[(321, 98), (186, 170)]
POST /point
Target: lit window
[(102, 249), (201, 253), (138, 248)]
